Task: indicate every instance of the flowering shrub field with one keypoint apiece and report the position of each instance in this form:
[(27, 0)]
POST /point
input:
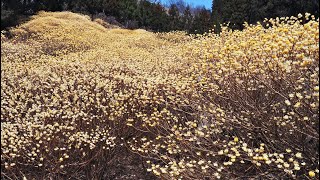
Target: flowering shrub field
[(239, 105)]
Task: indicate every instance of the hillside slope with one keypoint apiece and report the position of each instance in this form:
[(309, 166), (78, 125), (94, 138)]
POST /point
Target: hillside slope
[(80, 101)]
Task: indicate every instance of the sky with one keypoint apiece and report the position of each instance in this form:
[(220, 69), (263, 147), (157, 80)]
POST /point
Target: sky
[(206, 3)]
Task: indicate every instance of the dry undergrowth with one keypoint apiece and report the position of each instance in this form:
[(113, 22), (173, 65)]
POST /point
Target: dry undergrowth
[(244, 104)]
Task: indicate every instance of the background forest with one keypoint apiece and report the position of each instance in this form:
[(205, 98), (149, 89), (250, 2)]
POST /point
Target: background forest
[(153, 15)]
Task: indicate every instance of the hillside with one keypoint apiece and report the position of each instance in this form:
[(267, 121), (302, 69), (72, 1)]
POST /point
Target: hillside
[(81, 101)]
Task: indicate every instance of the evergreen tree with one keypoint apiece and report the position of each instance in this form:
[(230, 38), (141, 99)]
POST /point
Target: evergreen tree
[(174, 17), (235, 12), (187, 19), (153, 16), (202, 21), (217, 14), (238, 11)]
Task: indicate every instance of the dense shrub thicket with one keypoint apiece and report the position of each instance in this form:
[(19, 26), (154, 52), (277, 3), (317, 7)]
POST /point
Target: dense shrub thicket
[(242, 104)]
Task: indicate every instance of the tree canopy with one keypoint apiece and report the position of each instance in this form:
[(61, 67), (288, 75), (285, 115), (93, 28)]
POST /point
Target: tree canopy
[(236, 12), (154, 16)]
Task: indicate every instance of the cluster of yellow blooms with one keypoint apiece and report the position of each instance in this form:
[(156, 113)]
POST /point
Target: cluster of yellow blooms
[(241, 104)]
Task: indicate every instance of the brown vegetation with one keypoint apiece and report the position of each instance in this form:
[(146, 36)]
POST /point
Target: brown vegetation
[(77, 98)]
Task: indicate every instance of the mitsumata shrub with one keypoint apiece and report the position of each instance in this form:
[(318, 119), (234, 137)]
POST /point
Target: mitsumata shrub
[(235, 105)]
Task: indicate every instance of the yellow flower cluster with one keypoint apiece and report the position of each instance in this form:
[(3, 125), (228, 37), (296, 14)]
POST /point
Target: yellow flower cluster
[(235, 105), (260, 84)]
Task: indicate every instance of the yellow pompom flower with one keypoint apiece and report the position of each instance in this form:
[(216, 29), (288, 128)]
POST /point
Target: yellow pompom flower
[(236, 139), (312, 174)]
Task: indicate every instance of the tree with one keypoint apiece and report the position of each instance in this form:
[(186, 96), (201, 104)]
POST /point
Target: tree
[(238, 11), (152, 16), (217, 14), (202, 21), (187, 19), (174, 17)]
